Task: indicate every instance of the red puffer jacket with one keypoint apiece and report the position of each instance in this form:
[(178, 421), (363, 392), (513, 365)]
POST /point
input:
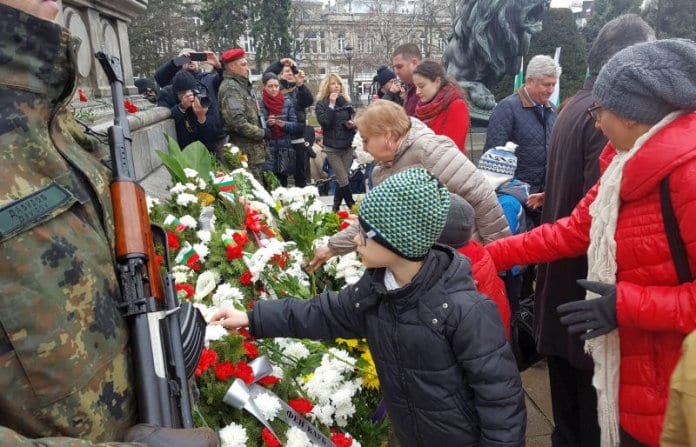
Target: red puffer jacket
[(654, 313), (487, 280)]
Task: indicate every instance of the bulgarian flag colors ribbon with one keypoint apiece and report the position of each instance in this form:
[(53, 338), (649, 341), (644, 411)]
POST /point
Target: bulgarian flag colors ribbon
[(187, 256), (224, 182), (173, 220)]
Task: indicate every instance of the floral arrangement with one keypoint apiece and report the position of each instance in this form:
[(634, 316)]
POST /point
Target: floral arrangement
[(234, 243)]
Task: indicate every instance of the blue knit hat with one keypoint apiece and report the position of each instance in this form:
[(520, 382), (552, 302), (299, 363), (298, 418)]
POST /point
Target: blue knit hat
[(406, 212), (498, 164)]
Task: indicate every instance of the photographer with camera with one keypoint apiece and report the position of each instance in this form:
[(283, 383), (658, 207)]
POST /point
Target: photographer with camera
[(206, 86), (191, 112)]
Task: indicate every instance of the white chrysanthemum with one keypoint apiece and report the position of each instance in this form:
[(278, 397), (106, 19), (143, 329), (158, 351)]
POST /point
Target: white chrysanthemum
[(206, 283), (232, 149), (214, 332), (259, 191), (349, 268), (188, 222), (269, 405), (297, 438), (181, 273), (186, 199), (190, 173), (293, 349), (190, 186), (234, 435), (227, 296), (344, 358), (202, 184), (151, 201), (343, 404), (202, 250), (278, 372), (204, 236), (259, 261), (324, 414), (178, 188)]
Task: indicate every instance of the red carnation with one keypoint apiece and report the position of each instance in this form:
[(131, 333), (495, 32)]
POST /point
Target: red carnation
[(250, 305), (268, 381), (241, 238), (268, 439), (208, 359), (341, 440), (172, 241), (245, 279), (243, 371), (130, 107), (343, 214), (224, 370), (81, 94), (301, 405), (345, 224), (233, 252), (186, 288), (251, 350), (159, 259), (244, 333)]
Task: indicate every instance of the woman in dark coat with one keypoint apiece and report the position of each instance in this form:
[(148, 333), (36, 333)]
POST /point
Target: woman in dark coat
[(279, 113), (335, 115)]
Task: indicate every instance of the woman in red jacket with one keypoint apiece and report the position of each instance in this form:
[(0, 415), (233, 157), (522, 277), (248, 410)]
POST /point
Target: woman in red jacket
[(441, 103), (646, 106)]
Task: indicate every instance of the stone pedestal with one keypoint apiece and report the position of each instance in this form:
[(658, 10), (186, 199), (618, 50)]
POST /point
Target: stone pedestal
[(101, 25)]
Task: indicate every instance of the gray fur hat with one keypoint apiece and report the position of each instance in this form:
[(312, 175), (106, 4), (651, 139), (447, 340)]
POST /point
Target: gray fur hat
[(459, 224), (647, 81)]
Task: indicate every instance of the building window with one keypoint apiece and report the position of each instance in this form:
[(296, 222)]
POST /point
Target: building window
[(341, 42), (248, 44)]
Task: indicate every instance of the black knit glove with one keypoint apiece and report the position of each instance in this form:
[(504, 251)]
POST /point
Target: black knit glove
[(594, 317)]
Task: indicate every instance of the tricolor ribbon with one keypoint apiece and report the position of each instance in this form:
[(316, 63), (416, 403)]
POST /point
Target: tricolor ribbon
[(241, 396), (173, 220)]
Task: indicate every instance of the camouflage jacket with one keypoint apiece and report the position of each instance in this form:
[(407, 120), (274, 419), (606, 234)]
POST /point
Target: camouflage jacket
[(240, 117), (64, 365)]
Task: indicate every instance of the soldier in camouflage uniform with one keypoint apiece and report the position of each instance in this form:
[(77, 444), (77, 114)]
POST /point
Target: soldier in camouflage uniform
[(64, 360), (239, 109)]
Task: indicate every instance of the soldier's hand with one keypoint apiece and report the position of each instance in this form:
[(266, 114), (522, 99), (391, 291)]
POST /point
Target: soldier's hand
[(155, 436)]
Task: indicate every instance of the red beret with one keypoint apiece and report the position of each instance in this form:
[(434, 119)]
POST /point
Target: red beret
[(232, 55)]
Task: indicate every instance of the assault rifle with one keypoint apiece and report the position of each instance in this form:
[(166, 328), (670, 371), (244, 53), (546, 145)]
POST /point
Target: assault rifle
[(262, 120), (166, 339)]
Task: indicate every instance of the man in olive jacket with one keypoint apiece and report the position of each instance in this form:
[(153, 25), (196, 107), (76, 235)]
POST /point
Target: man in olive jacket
[(240, 111)]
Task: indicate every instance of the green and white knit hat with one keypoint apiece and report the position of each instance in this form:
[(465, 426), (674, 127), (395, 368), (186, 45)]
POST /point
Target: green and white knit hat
[(406, 212)]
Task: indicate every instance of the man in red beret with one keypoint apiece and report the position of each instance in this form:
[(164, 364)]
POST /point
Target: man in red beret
[(240, 112)]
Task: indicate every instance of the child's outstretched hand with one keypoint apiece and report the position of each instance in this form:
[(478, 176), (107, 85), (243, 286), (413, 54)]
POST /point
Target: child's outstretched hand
[(230, 318)]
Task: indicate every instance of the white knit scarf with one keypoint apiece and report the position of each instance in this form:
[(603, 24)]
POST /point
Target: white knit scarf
[(601, 254)]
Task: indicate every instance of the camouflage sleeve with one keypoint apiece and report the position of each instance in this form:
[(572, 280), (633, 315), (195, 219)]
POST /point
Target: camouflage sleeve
[(11, 438), (233, 116)]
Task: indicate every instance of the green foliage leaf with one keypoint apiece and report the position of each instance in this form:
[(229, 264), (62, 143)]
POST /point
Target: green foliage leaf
[(194, 156)]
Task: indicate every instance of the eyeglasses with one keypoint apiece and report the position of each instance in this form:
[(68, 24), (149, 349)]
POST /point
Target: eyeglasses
[(364, 236), (594, 112)]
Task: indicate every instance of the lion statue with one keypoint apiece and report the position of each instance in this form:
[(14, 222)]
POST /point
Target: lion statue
[(488, 39)]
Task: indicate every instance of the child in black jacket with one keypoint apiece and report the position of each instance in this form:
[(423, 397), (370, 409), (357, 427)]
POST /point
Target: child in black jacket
[(447, 373)]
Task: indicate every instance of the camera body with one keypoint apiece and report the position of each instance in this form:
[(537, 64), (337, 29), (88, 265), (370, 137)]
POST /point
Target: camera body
[(202, 94)]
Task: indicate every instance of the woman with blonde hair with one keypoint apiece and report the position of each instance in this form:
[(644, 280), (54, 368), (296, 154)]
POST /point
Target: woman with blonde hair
[(335, 115), (398, 142)]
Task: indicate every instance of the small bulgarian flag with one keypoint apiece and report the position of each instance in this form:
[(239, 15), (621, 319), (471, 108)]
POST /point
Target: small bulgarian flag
[(187, 255), (224, 183), (173, 220), (519, 77)]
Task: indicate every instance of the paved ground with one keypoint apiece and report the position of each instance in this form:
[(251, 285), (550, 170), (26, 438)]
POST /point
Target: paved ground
[(535, 379)]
